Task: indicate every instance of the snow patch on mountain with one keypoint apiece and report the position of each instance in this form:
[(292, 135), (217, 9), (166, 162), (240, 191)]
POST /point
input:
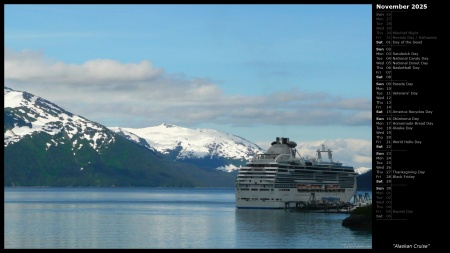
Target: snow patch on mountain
[(228, 168), (362, 170)]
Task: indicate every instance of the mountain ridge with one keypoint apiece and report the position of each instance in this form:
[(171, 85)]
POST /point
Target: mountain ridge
[(45, 145), (194, 145)]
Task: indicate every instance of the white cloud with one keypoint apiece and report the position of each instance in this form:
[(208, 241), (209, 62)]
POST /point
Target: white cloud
[(26, 66), (352, 152), (140, 95)]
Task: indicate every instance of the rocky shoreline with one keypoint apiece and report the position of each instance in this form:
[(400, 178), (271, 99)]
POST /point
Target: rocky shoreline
[(361, 217)]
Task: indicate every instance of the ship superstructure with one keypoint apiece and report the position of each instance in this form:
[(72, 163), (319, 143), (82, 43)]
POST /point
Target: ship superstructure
[(281, 177)]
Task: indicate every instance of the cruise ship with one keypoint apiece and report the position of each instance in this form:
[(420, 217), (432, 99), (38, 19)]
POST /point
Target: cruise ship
[(281, 178)]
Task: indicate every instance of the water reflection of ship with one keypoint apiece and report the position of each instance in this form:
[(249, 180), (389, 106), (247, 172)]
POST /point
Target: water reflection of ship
[(279, 226), (272, 222)]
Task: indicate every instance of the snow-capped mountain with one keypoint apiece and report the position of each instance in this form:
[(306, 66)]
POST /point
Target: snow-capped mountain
[(194, 144), (45, 145), (26, 114)]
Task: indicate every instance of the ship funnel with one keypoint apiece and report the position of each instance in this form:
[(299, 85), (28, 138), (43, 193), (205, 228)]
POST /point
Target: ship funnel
[(284, 140), (292, 144), (276, 142)]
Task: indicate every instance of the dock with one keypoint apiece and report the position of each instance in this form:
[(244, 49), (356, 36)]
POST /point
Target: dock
[(327, 205)]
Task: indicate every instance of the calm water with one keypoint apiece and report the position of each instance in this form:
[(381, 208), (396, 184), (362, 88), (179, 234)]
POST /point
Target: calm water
[(162, 218)]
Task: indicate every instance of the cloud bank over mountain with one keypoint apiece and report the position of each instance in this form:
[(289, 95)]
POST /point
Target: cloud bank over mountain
[(140, 94)]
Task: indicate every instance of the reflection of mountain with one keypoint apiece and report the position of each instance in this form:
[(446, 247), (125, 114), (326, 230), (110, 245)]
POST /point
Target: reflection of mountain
[(284, 229)]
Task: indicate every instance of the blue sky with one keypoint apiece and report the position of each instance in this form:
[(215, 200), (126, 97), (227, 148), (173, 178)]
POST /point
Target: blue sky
[(257, 71)]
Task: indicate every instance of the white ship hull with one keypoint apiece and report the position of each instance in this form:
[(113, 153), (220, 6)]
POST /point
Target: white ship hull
[(283, 198)]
